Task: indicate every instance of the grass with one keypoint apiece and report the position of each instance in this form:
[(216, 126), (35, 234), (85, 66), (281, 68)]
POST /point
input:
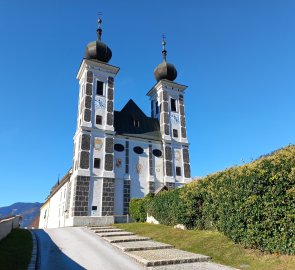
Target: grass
[(212, 243), (16, 250)]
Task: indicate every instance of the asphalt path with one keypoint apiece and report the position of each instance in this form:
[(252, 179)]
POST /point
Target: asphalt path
[(77, 248)]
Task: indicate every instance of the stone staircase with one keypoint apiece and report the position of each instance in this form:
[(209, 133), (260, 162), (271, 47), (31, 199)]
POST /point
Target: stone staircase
[(155, 255)]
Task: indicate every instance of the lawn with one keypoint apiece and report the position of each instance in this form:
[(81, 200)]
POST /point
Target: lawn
[(212, 243), (16, 250)]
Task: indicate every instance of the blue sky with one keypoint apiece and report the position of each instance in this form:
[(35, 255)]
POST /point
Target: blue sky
[(237, 58)]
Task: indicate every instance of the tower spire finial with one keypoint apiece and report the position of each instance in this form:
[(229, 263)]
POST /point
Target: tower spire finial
[(99, 30), (164, 52)]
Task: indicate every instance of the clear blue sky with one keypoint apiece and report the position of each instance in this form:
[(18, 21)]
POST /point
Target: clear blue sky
[(237, 57)]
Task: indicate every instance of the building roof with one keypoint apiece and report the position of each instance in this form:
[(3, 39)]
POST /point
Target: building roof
[(131, 121), (58, 185), (165, 71), (97, 49)]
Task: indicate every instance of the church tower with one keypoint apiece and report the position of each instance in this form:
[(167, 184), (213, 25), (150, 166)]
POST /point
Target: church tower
[(167, 105), (119, 155), (93, 179)]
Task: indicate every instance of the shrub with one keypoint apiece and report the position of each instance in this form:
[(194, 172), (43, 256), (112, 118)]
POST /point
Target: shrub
[(138, 208), (253, 204), (165, 207)]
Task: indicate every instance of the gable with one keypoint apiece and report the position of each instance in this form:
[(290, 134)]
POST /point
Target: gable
[(132, 121)]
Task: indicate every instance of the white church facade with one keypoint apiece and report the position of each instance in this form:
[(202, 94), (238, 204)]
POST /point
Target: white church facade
[(119, 155)]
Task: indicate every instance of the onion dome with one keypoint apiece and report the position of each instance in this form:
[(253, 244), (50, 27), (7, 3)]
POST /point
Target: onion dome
[(98, 50), (165, 70)]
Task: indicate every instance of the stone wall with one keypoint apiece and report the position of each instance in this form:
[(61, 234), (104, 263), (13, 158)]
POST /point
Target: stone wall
[(108, 197), (126, 197), (151, 187), (170, 185), (81, 193)]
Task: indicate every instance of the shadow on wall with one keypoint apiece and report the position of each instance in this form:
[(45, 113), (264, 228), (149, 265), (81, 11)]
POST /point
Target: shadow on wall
[(50, 256)]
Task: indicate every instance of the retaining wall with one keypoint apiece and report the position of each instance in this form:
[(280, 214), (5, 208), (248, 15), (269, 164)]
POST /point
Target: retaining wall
[(6, 225)]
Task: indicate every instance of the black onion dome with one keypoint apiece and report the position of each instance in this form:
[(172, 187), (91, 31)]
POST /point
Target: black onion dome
[(165, 70), (98, 50)]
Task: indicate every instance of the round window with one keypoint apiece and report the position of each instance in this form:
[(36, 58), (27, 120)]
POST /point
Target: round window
[(119, 147), (138, 150), (157, 153)]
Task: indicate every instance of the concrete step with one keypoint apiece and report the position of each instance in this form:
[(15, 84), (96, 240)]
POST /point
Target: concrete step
[(109, 234), (141, 245), (100, 228), (166, 256), (126, 238), (193, 266), (107, 230)]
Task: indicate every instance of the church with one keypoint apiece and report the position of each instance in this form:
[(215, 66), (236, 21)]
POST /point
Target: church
[(119, 155)]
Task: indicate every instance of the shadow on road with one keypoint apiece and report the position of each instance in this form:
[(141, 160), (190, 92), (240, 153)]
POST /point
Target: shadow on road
[(50, 256)]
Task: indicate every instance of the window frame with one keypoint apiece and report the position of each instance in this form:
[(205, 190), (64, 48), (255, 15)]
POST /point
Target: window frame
[(174, 102), (102, 87), (97, 117), (178, 171), (175, 132), (136, 123), (94, 160)]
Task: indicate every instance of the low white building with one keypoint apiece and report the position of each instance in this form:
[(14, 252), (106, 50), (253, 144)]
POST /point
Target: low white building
[(119, 155)]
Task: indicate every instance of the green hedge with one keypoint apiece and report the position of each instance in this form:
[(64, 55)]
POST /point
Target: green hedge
[(138, 208), (253, 204)]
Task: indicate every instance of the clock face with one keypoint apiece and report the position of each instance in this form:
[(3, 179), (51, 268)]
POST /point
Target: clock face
[(100, 103), (175, 118)]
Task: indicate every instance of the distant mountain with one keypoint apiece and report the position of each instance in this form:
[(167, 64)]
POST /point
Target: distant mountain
[(28, 211)]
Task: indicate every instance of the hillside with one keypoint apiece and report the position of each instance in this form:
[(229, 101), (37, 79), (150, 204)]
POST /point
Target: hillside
[(29, 212)]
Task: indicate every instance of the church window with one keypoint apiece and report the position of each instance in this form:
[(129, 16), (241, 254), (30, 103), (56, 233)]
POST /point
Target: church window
[(178, 171), (157, 153), (94, 207), (97, 163), (99, 88), (98, 119), (136, 123), (157, 107), (175, 133), (119, 147), (173, 104), (138, 150)]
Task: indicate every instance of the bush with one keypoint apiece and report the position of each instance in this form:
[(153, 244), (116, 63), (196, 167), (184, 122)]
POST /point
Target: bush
[(137, 208), (165, 207), (253, 204)]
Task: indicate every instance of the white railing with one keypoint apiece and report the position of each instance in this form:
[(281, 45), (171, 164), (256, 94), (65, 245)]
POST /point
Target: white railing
[(6, 225)]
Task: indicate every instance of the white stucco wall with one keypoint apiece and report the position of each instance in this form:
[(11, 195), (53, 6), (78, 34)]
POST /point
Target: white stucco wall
[(52, 213), (95, 196)]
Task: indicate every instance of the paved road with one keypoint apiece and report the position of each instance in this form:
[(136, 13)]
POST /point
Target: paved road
[(79, 248)]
